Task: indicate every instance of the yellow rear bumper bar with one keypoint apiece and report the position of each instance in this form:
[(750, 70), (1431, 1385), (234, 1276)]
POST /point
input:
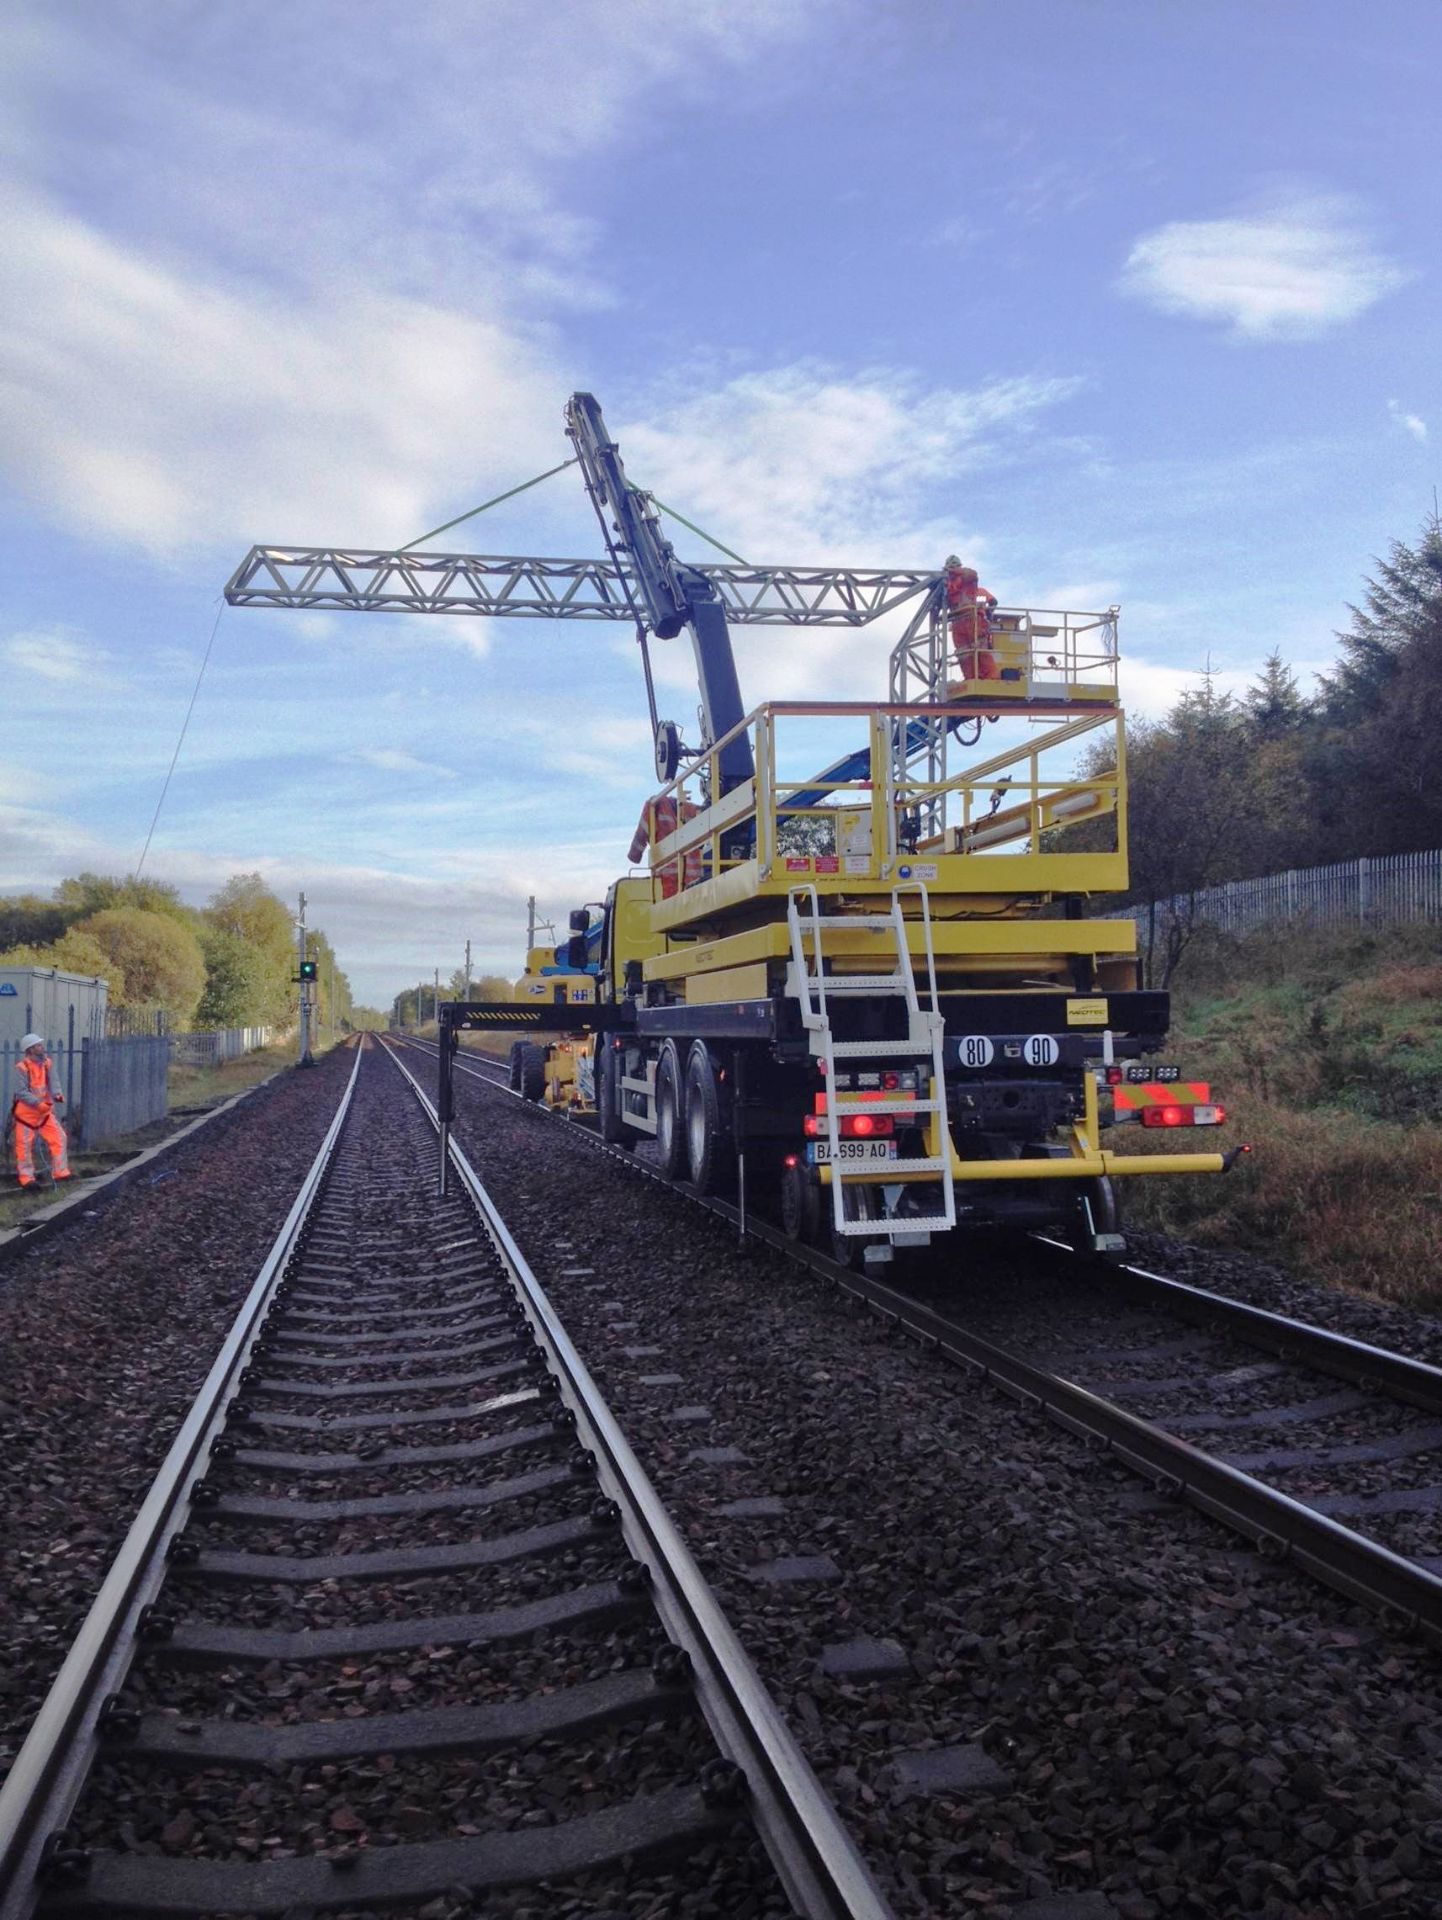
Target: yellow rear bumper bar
[(1090, 1166)]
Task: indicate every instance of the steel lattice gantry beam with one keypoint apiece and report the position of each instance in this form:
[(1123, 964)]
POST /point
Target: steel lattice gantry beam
[(346, 580)]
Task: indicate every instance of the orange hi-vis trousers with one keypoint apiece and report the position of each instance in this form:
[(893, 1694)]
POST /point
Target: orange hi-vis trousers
[(42, 1121)]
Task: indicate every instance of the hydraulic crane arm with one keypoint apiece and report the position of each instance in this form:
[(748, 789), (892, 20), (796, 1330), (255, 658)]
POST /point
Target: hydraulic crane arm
[(642, 580), (668, 595)]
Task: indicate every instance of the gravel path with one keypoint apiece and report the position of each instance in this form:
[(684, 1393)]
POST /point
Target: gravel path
[(107, 1329), (1099, 1704)]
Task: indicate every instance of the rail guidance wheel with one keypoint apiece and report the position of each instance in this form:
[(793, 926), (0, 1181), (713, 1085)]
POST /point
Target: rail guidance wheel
[(848, 1249), (801, 1199), (513, 1076), (670, 1133), (710, 1145), (1098, 1214), (532, 1071)]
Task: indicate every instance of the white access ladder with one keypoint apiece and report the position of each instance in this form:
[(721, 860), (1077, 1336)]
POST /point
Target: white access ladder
[(814, 988)]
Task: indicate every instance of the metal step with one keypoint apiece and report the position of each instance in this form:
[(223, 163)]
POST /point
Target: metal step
[(883, 1229), (879, 1049), (861, 982), (854, 1167), (859, 1104)]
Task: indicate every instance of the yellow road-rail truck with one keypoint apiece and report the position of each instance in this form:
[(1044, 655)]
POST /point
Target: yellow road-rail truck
[(853, 964)]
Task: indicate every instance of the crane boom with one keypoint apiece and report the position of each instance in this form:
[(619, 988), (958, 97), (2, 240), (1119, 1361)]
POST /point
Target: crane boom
[(642, 580), (356, 580)]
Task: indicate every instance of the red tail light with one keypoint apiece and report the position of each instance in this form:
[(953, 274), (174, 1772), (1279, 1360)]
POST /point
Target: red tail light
[(1166, 1117), (853, 1126), (1114, 1076)]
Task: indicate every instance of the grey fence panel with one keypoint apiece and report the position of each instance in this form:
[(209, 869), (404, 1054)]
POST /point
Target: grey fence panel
[(1390, 891), (124, 1087), (112, 1087), (227, 1043), (68, 1073)]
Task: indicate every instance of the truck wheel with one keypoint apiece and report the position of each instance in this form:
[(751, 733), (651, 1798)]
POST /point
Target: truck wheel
[(532, 1071), (608, 1097), (710, 1148), (801, 1204), (670, 1134), (513, 1076)]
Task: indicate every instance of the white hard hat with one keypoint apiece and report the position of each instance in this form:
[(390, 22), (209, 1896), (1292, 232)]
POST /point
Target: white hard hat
[(32, 1040)]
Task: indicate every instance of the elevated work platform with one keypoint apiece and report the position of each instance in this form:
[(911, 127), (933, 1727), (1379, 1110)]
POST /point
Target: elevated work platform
[(857, 822)]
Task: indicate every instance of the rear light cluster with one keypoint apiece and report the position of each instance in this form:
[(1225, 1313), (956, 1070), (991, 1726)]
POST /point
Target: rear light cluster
[(891, 1081), (1197, 1116), (851, 1126)]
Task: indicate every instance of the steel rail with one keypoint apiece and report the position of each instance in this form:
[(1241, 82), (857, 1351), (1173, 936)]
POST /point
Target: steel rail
[(817, 1861), (1281, 1527), (41, 1788), (1357, 1361)]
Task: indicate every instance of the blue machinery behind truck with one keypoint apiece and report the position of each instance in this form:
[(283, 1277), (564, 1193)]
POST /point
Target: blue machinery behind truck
[(869, 988)]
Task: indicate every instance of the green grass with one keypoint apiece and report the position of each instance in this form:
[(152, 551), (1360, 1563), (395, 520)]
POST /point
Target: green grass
[(1327, 1052)]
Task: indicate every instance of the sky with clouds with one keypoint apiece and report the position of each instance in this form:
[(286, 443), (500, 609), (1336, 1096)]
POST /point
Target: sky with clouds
[(1125, 302)]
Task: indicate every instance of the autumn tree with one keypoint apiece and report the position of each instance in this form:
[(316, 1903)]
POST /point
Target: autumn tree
[(233, 985), (153, 961), (73, 952), (247, 909), (88, 893), (28, 921)]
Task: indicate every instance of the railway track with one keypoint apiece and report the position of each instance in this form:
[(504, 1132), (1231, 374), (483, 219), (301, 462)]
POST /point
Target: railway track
[(1344, 1482), (402, 1624)]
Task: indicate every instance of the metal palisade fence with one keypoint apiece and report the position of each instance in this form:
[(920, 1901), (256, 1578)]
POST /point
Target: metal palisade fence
[(1368, 892), (226, 1043), (112, 1087), (118, 1085)]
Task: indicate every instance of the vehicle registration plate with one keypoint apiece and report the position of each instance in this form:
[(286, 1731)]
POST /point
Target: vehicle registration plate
[(818, 1152)]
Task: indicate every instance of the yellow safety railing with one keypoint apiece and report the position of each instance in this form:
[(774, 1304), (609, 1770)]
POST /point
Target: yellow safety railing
[(849, 820)]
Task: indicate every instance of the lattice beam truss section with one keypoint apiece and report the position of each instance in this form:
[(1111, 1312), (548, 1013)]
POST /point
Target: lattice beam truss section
[(333, 579)]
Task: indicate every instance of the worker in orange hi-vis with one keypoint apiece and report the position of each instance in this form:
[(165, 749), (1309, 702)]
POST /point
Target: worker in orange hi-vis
[(971, 606), (32, 1109)]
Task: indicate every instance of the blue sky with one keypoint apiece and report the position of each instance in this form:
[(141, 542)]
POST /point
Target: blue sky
[(1124, 302)]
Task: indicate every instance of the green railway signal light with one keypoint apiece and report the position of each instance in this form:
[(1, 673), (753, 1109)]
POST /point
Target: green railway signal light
[(309, 970)]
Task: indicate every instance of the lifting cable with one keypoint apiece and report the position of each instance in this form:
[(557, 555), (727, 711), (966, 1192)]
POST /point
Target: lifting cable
[(184, 727), (485, 505), (700, 531)]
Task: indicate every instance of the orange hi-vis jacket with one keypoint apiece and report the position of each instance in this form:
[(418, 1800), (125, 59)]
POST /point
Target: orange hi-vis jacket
[(35, 1083), (971, 607), (35, 1094)]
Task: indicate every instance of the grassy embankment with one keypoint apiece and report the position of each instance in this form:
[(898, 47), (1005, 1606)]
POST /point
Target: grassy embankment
[(1327, 1051)]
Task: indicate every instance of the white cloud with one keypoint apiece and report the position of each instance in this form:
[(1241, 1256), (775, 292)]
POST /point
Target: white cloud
[(56, 653), (1288, 268), (394, 760), (326, 311), (167, 411), (1409, 422), (808, 465)]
